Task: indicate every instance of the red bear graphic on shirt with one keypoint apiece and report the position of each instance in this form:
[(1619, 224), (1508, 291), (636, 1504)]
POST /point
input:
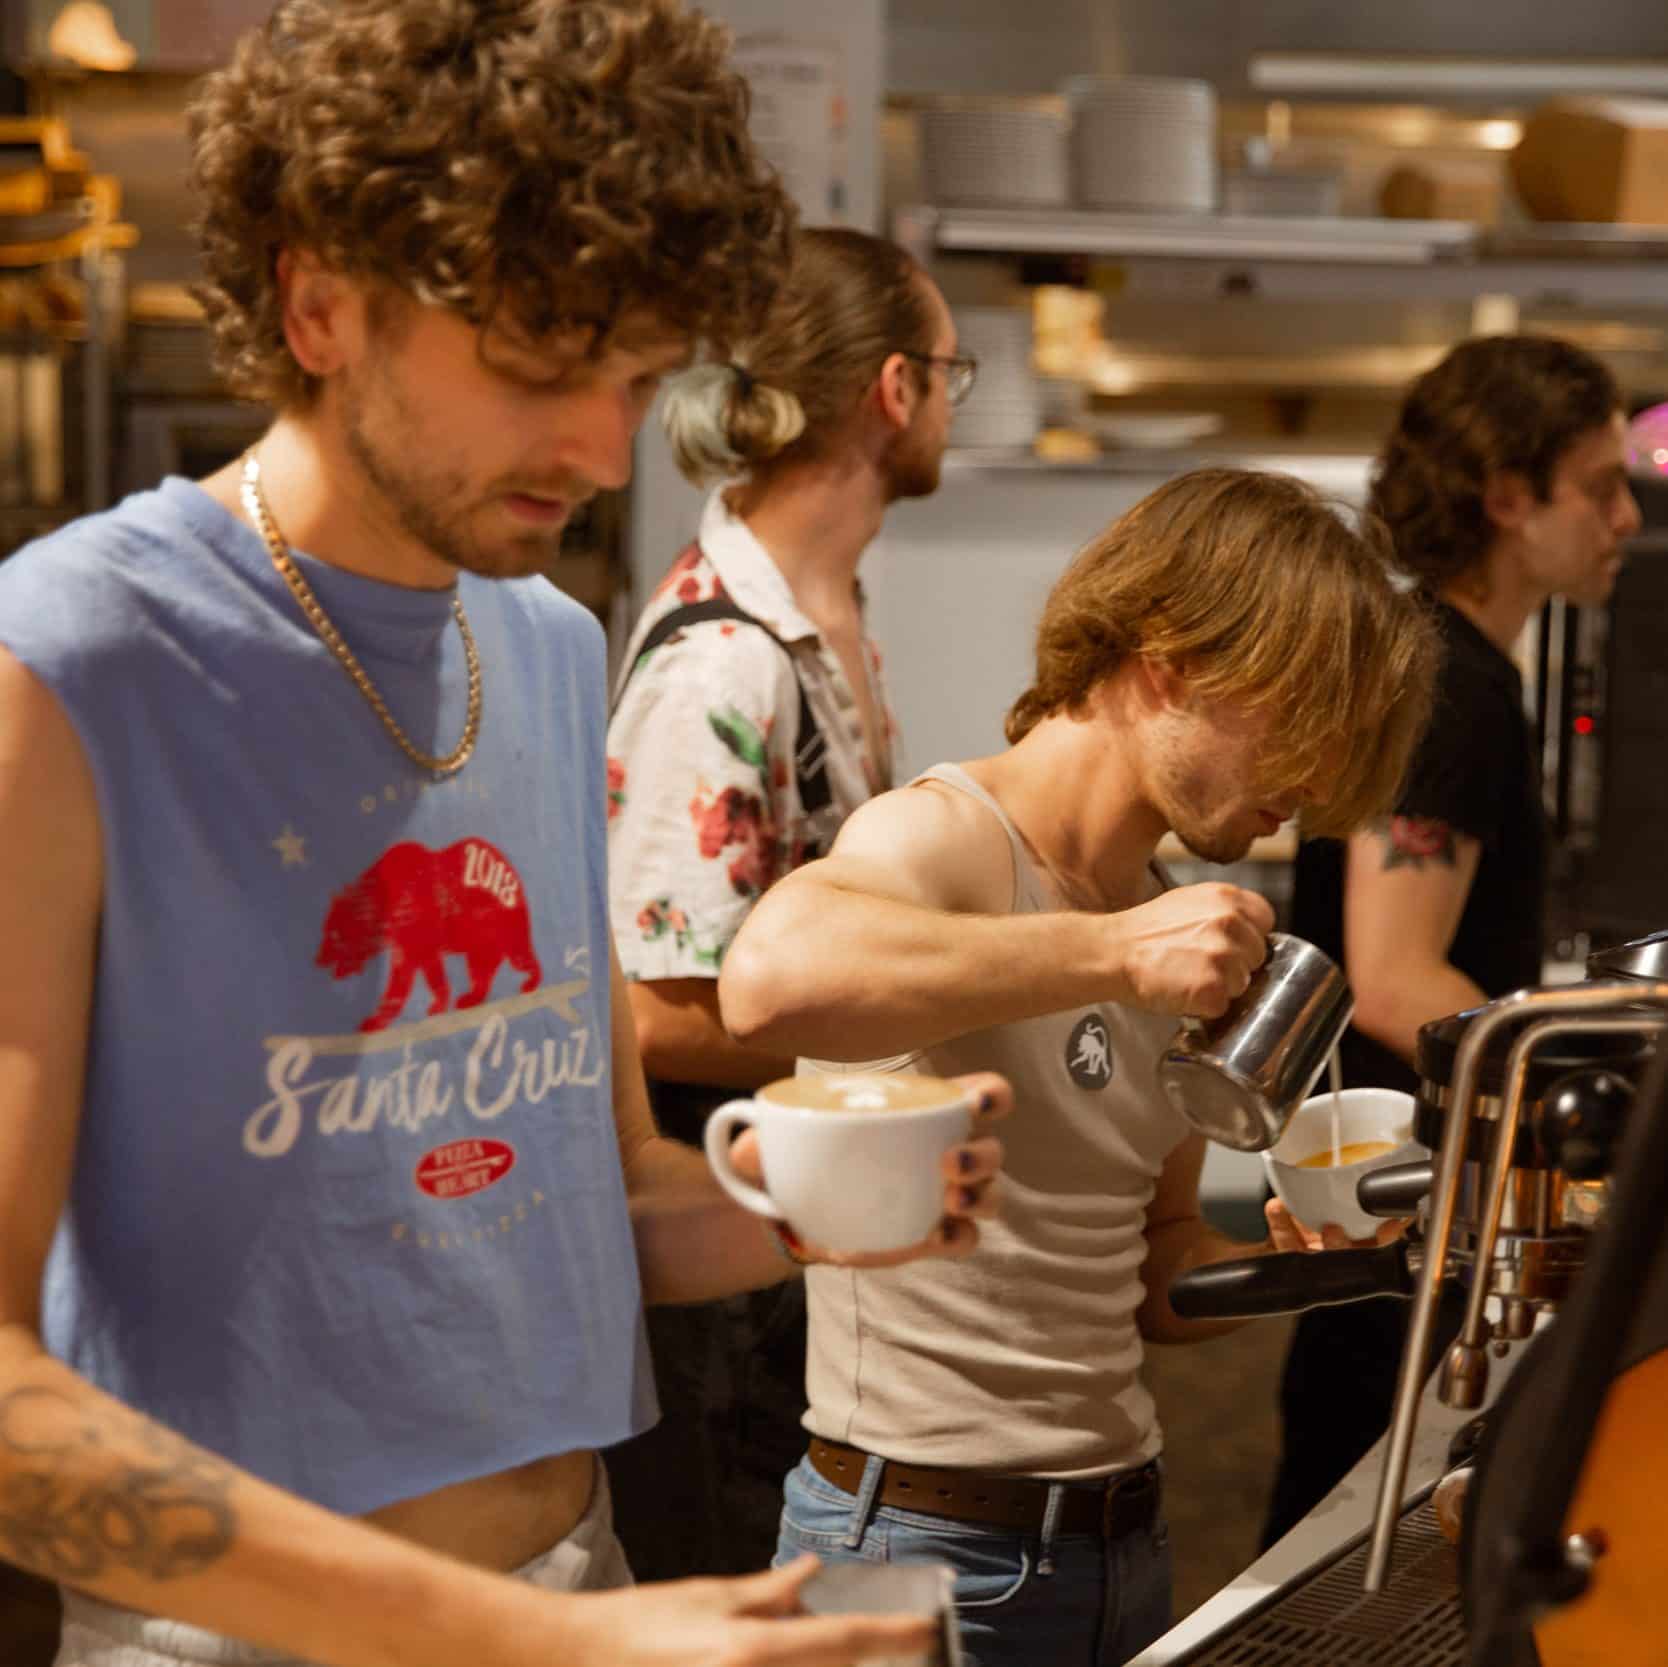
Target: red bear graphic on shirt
[(421, 906)]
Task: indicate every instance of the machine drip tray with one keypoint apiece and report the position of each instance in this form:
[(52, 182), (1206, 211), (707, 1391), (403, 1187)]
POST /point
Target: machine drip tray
[(1327, 1620)]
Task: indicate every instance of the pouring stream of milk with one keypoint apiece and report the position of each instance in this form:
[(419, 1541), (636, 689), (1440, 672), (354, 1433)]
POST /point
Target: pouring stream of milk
[(1335, 1066)]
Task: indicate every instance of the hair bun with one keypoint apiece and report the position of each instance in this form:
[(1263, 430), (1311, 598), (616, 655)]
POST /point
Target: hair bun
[(720, 421)]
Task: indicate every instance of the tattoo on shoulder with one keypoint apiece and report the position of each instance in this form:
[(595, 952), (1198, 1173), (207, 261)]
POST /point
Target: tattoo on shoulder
[(1414, 841), (90, 1491)]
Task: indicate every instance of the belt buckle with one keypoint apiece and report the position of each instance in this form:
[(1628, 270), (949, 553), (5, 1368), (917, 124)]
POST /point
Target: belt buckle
[(1128, 1498)]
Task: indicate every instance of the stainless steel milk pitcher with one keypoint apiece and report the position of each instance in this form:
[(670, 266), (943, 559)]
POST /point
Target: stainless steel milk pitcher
[(1239, 1078)]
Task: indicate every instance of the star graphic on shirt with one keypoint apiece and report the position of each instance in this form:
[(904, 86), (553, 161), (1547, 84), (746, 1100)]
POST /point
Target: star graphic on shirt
[(292, 847)]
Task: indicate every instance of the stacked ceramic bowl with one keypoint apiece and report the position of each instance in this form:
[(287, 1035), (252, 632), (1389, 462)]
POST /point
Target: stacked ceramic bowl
[(1145, 144), (1009, 155), (1005, 407), (1312, 193)]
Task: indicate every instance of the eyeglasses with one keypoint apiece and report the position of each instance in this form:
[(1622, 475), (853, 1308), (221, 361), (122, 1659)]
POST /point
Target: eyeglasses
[(960, 369)]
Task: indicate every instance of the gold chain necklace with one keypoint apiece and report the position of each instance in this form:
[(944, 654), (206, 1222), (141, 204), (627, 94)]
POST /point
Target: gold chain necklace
[(254, 501)]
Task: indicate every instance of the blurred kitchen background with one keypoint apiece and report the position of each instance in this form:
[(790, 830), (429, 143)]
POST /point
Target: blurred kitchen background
[(1174, 231)]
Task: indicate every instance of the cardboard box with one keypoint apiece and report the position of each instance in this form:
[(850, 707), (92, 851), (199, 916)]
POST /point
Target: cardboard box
[(1427, 190), (1595, 159)]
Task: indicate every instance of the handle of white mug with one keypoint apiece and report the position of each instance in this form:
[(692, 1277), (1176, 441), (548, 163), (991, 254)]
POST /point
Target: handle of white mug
[(720, 1130)]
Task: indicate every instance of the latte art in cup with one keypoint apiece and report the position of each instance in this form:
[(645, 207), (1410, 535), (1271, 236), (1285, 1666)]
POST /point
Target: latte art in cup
[(853, 1160), (863, 1091)]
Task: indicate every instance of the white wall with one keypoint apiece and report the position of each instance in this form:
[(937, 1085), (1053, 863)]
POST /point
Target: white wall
[(955, 585), (664, 509), (988, 46)]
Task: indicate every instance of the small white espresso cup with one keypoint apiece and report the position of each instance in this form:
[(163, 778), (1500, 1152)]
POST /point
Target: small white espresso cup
[(851, 1159), (1375, 1129)]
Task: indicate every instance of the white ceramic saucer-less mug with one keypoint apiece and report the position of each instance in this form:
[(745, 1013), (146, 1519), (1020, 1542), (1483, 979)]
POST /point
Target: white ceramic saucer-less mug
[(857, 1173), (1383, 1116)]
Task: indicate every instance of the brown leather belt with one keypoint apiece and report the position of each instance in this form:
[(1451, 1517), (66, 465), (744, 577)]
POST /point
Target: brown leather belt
[(1112, 1508)]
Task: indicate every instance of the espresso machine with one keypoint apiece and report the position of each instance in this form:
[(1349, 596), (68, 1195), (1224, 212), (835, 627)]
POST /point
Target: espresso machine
[(1525, 1104)]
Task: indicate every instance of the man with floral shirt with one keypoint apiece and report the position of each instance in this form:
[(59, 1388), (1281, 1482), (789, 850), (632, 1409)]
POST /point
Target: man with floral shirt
[(750, 721), (704, 804)]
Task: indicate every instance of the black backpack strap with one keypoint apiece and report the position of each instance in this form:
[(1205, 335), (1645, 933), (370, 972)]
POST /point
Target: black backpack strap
[(691, 613), (811, 755)]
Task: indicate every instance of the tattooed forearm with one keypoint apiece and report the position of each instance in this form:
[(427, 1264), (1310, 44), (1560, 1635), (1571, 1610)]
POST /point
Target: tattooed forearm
[(85, 1490), (1413, 841)]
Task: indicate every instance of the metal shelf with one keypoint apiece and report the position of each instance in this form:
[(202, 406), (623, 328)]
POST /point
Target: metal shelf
[(1293, 259), (1064, 231), (1340, 472), (1450, 77)]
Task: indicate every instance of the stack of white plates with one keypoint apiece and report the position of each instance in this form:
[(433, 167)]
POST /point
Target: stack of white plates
[(1014, 156), (1146, 144), (1005, 407)]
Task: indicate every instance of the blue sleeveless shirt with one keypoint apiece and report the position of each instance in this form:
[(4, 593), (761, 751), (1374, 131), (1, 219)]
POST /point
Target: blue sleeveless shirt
[(347, 1206)]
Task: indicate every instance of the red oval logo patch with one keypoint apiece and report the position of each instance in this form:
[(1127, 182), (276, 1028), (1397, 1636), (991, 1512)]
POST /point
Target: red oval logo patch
[(463, 1168)]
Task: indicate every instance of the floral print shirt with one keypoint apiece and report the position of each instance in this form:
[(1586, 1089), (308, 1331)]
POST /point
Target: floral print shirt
[(703, 806)]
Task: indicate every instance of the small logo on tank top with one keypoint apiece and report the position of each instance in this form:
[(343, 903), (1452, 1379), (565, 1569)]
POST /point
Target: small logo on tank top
[(1089, 1052), (462, 1168)]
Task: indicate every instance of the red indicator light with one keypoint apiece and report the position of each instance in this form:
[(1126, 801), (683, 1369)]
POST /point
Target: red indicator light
[(1584, 725)]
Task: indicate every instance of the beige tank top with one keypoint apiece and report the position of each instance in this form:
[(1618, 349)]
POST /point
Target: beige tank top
[(1023, 1357)]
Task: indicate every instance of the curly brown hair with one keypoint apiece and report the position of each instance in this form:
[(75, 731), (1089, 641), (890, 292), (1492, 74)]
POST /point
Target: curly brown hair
[(554, 163), (1255, 585), (1494, 405)]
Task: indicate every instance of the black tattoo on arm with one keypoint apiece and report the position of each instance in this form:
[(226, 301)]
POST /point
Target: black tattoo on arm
[(1413, 841), (87, 1490)]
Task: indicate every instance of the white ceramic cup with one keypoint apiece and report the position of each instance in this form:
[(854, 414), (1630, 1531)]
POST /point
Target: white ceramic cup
[(1319, 1196), (851, 1160), (906, 1587)]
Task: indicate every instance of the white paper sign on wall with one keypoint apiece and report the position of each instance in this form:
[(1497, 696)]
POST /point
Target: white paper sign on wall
[(799, 118)]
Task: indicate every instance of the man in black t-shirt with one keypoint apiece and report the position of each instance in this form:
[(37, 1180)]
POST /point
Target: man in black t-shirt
[(1504, 483)]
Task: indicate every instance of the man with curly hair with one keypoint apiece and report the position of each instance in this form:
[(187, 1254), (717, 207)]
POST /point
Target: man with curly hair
[(1504, 483), (326, 1167)]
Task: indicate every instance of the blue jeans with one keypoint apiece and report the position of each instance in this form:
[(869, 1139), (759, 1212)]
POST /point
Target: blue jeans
[(1070, 1600)]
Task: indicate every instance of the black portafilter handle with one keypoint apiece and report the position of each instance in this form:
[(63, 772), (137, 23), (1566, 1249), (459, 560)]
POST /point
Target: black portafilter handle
[(1292, 1281), (1395, 1191)]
